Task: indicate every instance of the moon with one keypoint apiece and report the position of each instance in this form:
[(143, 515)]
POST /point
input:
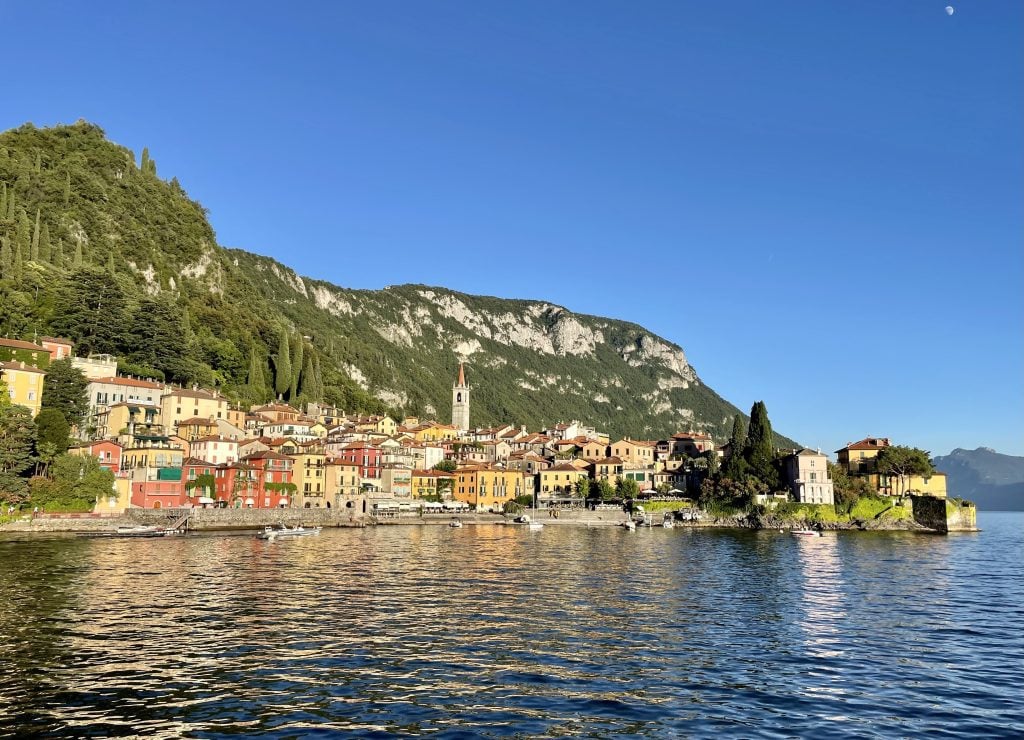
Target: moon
[(950, 10)]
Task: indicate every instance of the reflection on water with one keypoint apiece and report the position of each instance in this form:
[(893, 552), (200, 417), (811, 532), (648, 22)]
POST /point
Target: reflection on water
[(498, 630)]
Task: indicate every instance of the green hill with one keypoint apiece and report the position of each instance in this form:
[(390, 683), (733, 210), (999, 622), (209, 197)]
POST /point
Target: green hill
[(98, 248)]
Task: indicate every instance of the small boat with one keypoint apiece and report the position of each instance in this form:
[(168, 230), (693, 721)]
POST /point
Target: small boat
[(455, 523), (535, 525), (274, 532), (630, 525), (806, 532), (669, 522)]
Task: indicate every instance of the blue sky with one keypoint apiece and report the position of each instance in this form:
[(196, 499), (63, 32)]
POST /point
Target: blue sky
[(821, 202)]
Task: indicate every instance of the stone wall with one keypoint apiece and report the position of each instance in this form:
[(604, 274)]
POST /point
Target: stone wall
[(945, 515), (224, 519)]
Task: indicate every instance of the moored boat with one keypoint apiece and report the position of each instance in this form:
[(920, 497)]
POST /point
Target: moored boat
[(806, 532), (630, 525), (455, 523), (274, 532)]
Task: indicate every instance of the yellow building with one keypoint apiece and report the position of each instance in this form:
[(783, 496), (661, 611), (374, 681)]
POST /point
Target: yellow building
[(426, 483), (188, 403), (434, 432), (488, 489), (125, 421), (560, 479), (24, 384), (609, 469), (309, 474), (341, 480), (634, 452), (858, 458)]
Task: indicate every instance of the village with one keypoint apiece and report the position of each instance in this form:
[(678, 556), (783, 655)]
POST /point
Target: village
[(171, 447)]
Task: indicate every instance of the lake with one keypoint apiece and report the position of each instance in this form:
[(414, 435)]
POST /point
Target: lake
[(496, 630)]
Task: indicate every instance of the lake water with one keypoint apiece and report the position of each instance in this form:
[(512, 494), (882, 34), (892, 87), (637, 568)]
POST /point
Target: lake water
[(495, 630)]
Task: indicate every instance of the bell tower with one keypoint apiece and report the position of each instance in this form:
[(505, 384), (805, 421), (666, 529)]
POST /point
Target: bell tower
[(460, 402)]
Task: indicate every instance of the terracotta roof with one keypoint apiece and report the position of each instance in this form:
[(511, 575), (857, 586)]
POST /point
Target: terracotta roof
[(610, 461), (57, 340), (213, 438), (566, 467), (21, 367), (20, 344), (198, 393), (130, 382), (196, 421), (868, 443), (462, 376), (266, 455)]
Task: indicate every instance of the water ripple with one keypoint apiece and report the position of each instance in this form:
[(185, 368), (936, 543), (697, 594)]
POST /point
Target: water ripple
[(495, 631)]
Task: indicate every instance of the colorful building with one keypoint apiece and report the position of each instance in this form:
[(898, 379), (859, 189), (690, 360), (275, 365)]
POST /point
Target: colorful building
[(489, 489), (24, 384)]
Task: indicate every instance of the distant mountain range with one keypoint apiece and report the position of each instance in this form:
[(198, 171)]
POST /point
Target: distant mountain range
[(995, 482)]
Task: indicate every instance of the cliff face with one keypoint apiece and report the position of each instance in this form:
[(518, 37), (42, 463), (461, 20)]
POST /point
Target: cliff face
[(76, 210)]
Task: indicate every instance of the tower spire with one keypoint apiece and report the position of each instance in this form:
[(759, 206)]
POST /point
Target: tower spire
[(462, 375)]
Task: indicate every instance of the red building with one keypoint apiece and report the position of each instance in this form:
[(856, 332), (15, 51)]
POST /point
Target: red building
[(363, 454), (106, 451), (158, 488), (262, 480)]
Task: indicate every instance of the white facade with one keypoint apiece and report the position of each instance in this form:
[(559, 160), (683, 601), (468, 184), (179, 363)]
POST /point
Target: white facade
[(807, 475), (460, 402)]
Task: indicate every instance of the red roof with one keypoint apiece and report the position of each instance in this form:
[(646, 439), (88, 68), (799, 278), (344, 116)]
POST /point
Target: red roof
[(868, 443), (20, 344)]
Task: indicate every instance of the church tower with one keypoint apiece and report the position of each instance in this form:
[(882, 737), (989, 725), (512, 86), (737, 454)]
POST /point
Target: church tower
[(460, 402)]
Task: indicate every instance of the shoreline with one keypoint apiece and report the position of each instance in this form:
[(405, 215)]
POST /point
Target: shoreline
[(254, 520)]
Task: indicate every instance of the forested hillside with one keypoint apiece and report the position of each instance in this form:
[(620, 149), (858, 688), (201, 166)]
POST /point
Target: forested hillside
[(98, 248)]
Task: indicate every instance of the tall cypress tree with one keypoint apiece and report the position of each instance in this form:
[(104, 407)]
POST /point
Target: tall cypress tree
[(282, 366), (255, 379), (6, 257), (67, 188), (736, 466), (34, 250), (45, 252), (297, 368), (58, 253), (23, 233), (11, 202), (111, 266), (77, 261), (759, 451), (3, 199)]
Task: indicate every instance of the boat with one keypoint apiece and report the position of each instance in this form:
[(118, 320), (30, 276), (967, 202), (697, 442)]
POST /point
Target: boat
[(136, 532), (455, 523), (630, 525), (669, 522), (535, 525), (278, 531), (806, 532)]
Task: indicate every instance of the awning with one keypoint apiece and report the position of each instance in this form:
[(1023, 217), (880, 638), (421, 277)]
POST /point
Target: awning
[(206, 500)]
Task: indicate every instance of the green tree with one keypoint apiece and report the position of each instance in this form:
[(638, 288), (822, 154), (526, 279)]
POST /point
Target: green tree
[(282, 366), (759, 450), (254, 378), (52, 428), (627, 488), (902, 462), (17, 439), (293, 391), (448, 466), (66, 391), (45, 250), (67, 189), (6, 257), (23, 235), (158, 340), (58, 253), (34, 249), (736, 466), (78, 260), (605, 490), (583, 487), (93, 309)]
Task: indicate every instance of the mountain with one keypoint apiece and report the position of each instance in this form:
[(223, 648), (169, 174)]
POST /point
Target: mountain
[(98, 248), (994, 481)]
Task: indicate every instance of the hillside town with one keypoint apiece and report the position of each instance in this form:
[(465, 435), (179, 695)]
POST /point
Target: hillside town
[(172, 447)]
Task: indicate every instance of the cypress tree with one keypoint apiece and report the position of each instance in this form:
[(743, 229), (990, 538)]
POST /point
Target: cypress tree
[(144, 162), (45, 252), (255, 378), (735, 466), (282, 367), (58, 253), (16, 263), (34, 251), (111, 267), (759, 451), (3, 199), (6, 256), (22, 234), (67, 188), (297, 368), (11, 198), (77, 260)]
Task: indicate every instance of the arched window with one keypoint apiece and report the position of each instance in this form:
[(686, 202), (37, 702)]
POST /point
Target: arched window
[(458, 398)]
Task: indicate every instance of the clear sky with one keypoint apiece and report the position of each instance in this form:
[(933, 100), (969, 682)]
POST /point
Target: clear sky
[(820, 201)]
